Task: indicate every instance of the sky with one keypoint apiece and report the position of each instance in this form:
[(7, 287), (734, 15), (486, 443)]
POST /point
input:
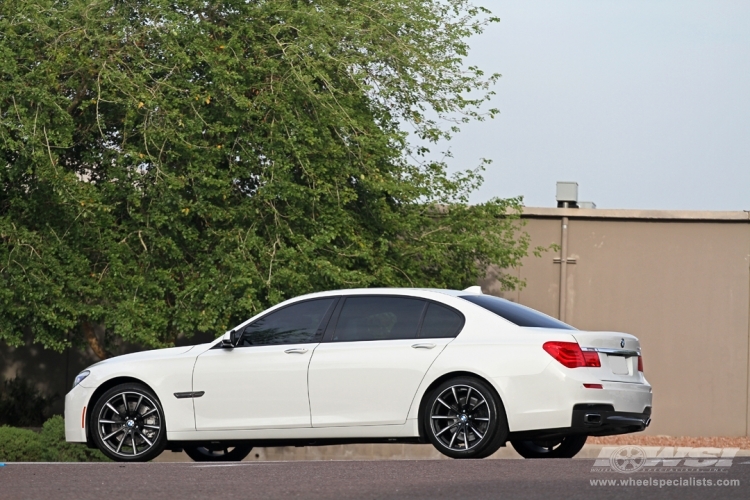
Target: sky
[(644, 103)]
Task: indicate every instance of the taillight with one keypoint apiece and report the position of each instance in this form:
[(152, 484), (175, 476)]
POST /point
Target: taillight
[(640, 363), (591, 358), (569, 354)]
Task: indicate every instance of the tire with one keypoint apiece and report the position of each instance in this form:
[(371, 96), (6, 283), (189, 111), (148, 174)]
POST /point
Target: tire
[(463, 417), (217, 452), (127, 424), (562, 447)]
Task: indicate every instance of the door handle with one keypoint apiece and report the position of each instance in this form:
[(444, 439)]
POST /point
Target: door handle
[(296, 351), (423, 346)]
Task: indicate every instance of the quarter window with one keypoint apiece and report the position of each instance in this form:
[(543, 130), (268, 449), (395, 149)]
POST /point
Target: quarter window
[(378, 318), (294, 324), (441, 322)]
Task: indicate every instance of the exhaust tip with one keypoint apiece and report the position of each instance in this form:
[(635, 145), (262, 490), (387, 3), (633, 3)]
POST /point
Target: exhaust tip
[(592, 419)]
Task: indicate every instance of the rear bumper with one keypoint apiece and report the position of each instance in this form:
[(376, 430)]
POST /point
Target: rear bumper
[(603, 420), (593, 419)]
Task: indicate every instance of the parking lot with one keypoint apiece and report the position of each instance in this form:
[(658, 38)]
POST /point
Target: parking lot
[(423, 479)]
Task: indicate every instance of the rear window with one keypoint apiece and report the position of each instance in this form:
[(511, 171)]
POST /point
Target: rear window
[(516, 313)]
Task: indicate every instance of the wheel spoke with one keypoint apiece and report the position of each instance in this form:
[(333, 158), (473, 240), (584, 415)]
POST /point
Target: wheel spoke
[(445, 404), (468, 396), (119, 446), (132, 437), (448, 427), (455, 396), (145, 438), (125, 400), (138, 404), (453, 438), (111, 422), (483, 401), (113, 434), (148, 426), (113, 409), (476, 432), (481, 419), (466, 439), (148, 412), (443, 417)]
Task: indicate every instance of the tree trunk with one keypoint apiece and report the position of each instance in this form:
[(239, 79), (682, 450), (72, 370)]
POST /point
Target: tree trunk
[(89, 333)]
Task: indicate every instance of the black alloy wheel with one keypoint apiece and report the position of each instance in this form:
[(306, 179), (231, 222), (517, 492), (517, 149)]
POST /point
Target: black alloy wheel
[(465, 419), (217, 452), (561, 447), (127, 424)]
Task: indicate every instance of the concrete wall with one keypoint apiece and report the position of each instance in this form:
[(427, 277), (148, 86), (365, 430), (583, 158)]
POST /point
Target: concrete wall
[(680, 281)]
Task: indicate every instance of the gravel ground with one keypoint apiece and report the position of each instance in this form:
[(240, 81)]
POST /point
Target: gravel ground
[(742, 443)]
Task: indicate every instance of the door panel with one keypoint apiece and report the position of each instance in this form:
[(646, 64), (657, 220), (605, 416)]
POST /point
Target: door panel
[(370, 382), (262, 383), (258, 387)]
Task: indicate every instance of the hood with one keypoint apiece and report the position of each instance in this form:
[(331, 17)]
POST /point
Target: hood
[(144, 355)]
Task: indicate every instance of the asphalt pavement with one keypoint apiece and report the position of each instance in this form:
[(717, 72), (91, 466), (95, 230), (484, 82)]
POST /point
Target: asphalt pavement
[(386, 479)]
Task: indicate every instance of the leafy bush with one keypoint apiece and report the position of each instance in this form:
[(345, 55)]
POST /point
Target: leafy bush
[(23, 445), (56, 449), (19, 445), (21, 405)]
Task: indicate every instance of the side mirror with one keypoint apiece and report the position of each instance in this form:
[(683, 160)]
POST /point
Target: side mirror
[(230, 339)]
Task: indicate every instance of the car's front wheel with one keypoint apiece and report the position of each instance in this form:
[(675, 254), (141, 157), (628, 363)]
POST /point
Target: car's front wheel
[(464, 418), (127, 424), (561, 447), (218, 452)]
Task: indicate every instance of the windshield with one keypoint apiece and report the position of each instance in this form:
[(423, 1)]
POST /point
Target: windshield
[(516, 313)]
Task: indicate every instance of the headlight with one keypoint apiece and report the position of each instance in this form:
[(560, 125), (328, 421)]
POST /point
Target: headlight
[(80, 377)]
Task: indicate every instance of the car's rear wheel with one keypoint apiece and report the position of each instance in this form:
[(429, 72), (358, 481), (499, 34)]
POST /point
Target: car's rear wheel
[(218, 452), (464, 418), (127, 424), (561, 447)]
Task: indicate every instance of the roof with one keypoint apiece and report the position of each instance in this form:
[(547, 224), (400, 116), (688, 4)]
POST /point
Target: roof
[(675, 215)]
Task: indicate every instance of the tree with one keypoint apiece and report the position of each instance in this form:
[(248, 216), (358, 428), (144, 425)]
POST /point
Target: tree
[(175, 166)]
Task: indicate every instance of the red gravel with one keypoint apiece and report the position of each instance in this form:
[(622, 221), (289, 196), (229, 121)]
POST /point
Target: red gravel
[(694, 442)]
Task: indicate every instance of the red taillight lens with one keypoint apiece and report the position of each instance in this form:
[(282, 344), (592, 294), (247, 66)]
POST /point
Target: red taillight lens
[(640, 363), (570, 354), (592, 359)]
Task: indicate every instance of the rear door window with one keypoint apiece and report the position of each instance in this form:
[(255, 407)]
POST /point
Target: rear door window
[(378, 318)]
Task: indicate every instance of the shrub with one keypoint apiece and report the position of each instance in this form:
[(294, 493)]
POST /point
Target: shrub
[(23, 445), (20, 445), (56, 449)]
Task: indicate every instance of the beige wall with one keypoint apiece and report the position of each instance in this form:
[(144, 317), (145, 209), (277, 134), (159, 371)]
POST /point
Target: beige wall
[(678, 281)]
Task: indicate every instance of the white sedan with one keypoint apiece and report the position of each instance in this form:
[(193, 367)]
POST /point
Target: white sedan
[(464, 371)]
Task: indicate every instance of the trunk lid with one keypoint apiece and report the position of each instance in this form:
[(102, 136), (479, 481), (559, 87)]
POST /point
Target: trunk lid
[(618, 355)]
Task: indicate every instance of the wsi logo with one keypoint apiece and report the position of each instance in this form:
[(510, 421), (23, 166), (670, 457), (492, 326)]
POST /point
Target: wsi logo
[(628, 459)]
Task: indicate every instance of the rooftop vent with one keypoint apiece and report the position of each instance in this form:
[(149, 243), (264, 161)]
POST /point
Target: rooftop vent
[(567, 195)]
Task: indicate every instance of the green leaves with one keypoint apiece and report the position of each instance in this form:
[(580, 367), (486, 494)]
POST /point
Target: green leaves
[(172, 167)]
